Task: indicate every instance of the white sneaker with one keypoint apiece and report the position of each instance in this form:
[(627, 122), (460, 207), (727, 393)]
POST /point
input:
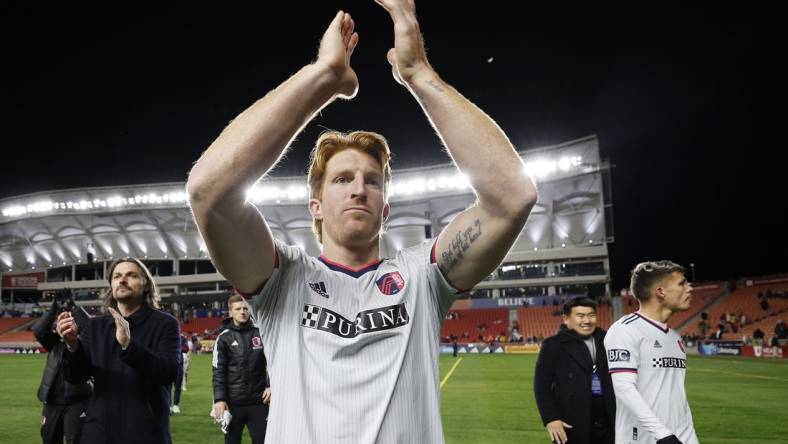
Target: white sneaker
[(175, 410)]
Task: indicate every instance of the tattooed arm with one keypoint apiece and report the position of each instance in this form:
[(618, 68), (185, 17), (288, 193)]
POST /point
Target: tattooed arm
[(477, 240)]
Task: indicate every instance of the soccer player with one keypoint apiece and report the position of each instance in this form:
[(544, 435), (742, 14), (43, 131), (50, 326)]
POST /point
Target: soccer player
[(352, 338), (647, 360), (240, 381)]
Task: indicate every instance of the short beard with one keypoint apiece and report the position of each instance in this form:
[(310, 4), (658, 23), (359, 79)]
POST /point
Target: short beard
[(132, 297), (355, 238)]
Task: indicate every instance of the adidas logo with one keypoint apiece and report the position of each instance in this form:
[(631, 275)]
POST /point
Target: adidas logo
[(319, 288), (235, 343), (657, 344), (83, 415)]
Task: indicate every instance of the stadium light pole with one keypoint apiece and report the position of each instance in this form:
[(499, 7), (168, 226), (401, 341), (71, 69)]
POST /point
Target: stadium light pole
[(692, 267)]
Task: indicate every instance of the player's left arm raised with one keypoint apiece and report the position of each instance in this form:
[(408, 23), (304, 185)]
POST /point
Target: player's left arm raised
[(477, 240)]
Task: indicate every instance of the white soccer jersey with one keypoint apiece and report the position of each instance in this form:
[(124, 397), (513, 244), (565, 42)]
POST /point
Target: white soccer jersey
[(647, 363), (353, 354)]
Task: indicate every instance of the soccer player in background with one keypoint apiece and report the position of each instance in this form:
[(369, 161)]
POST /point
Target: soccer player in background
[(240, 381), (647, 360), (351, 338)]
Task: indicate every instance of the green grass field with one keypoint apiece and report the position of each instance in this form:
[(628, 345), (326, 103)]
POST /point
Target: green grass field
[(487, 399)]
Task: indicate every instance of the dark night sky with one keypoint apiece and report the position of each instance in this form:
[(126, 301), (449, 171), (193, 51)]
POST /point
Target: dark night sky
[(115, 97)]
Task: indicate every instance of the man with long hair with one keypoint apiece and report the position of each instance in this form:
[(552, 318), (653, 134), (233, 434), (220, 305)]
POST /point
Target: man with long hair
[(352, 338), (132, 354)]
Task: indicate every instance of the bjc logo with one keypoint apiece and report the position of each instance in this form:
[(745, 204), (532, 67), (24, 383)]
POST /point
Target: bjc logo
[(618, 355)]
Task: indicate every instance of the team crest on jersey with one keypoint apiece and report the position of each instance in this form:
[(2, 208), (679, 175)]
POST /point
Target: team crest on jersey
[(257, 342), (391, 283)]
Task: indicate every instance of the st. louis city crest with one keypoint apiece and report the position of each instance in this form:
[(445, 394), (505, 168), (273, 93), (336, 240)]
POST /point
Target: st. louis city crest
[(391, 283)]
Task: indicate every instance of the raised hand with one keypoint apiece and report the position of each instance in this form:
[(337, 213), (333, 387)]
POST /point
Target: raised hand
[(68, 330), (408, 57), (122, 331), (336, 47)]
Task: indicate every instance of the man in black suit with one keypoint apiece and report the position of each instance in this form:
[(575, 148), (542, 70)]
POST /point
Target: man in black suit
[(133, 356), (573, 389), (64, 403)]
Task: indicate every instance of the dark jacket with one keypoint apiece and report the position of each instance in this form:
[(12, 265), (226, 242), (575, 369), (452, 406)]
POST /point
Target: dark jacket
[(239, 373), (562, 382), (131, 400), (72, 393)]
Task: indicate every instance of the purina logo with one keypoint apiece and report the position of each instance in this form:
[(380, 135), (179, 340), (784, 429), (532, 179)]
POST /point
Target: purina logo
[(668, 362), (383, 318), (391, 283), (319, 288)]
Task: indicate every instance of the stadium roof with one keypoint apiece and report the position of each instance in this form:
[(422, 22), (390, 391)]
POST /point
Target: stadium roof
[(57, 228)]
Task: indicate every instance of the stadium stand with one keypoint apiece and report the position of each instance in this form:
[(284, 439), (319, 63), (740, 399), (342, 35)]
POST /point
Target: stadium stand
[(745, 301), (18, 336), (629, 304), (8, 324), (703, 296), (494, 321), (200, 325)]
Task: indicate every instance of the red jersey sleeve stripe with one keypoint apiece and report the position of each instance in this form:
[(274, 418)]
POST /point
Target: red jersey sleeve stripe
[(623, 370)]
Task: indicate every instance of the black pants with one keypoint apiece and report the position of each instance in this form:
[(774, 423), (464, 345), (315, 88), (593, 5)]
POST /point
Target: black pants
[(255, 417), (60, 420), (602, 432)]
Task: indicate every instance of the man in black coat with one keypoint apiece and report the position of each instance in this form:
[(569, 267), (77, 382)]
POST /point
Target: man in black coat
[(240, 379), (573, 389), (132, 354), (64, 403)]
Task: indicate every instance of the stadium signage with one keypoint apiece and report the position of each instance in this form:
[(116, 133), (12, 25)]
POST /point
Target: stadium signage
[(720, 348), (368, 321), (508, 302), (522, 349), (27, 280)]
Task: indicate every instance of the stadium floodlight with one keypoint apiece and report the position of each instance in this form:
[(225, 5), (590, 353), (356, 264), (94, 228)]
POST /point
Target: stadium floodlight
[(417, 183), (263, 193), (419, 186), (542, 168)]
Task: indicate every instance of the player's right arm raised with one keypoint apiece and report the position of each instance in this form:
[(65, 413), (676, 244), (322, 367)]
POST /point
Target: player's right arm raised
[(237, 237)]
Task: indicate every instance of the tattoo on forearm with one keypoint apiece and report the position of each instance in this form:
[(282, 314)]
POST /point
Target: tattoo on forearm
[(435, 85), (459, 245)]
